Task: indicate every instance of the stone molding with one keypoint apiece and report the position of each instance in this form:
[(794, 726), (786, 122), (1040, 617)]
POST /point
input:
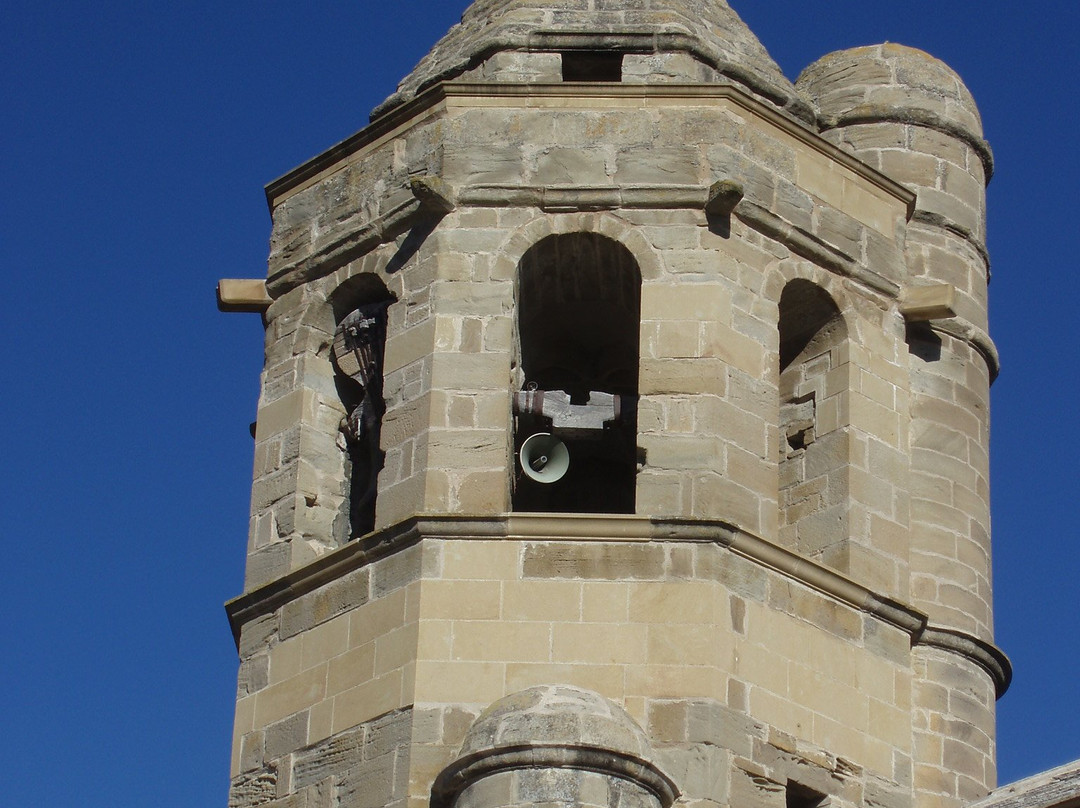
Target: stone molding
[(580, 198), (871, 114), (620, 528), (986, 655), (976, 337), (553, 726), (435, 101), (925, 217), (808, 246), (350, 242), (432, 195), (613, 763), (426, 196)]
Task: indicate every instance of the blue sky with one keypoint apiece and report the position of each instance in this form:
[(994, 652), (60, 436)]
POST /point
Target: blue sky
[(136, 141)]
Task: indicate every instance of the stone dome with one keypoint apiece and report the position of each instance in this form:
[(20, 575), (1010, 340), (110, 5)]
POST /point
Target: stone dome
[(708, 29), (556, 727), (556, 715), (889, 82)]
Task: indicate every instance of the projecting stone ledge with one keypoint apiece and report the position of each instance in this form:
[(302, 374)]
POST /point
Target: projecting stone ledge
[(919, 303), (242, 294)]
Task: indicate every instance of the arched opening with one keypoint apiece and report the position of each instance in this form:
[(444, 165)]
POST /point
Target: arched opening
[(814, 450), (579, 311), (360, 306)]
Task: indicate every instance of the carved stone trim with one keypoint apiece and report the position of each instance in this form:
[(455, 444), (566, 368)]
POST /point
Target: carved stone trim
[(613, 763), (974, 336), (345, 243), (352, 556), (986, 655), (574, 198), (347, 246), (810, 247), (869, 113), (925, 217)]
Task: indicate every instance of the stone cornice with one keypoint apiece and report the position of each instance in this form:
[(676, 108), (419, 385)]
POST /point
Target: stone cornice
[(348, 242), (351, 239), (434, 101), (621, 528), (988, 656), (940, 222), (352, 556)]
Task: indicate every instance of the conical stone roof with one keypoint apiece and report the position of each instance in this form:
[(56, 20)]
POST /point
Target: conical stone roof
[(707, 29)]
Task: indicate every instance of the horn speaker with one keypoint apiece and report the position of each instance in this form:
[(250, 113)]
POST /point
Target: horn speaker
[(544, 458)]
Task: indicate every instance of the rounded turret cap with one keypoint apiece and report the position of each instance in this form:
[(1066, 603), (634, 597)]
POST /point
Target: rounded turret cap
[(556, 715), (889, 82), (555, 726)]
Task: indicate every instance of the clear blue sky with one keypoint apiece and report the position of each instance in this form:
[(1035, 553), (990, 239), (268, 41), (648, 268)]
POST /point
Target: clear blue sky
[(136, 141)]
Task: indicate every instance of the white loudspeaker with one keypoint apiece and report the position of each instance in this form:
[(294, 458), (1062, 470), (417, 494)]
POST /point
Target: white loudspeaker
[(544, 458)]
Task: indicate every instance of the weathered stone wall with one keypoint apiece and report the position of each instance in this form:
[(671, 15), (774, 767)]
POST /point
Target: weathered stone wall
[(365, 766), (709, 324), (325, 679), (717, 618), (950, 497), (953, 728), (736, 671), (648, 623)]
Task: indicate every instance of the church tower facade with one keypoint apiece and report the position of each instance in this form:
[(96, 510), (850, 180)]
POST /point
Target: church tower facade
[(622, 437)]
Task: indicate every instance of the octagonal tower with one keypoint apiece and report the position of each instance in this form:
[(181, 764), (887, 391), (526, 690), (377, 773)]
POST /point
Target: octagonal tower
[(622, 435)]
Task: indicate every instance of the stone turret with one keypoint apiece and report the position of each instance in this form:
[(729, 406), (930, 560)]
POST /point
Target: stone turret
[(622, 434), (908, 114)]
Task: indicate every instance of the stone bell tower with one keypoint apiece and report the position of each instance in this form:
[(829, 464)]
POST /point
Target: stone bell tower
[(623, 432)]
